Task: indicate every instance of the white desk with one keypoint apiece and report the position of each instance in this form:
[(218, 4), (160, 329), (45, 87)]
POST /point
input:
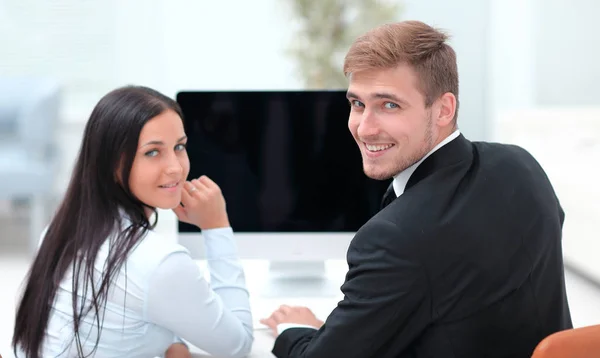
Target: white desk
[(262, 307), (263, 338), (263, 344)]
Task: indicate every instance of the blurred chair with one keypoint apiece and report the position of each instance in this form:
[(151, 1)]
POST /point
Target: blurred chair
[(583, 342), (29, 113)]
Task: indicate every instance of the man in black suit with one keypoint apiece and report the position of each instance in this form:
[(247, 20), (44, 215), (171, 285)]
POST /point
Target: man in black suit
[(465, 258)]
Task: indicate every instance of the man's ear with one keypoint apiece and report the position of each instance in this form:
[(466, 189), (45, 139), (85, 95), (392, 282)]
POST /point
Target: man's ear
[(447, 109)]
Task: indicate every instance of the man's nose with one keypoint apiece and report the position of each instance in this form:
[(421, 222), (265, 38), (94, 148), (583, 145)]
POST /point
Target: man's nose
[(367, 127)]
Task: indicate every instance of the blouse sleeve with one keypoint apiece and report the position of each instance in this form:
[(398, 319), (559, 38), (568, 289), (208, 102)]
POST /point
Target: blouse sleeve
[(216, 318)]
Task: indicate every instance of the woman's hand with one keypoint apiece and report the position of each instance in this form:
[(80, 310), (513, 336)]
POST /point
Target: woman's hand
[(203, 204), (178, 350)]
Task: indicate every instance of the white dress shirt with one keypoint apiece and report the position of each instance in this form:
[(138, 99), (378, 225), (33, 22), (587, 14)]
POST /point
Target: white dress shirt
[(158, 297), (399, 184)]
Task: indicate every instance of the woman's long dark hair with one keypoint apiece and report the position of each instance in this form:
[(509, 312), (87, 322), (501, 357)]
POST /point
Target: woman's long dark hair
[(89, 214)]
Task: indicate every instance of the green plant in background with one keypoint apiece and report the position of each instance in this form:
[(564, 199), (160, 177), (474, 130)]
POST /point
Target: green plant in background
[(327, 29)]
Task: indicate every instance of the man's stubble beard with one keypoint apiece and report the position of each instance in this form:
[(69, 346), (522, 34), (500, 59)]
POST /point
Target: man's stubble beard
[(406, 162)]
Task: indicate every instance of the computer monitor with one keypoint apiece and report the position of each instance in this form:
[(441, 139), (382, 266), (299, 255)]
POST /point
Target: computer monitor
[(290, 172)]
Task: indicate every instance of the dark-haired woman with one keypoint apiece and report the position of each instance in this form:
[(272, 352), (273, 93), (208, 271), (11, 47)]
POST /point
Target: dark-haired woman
[(103, 283)]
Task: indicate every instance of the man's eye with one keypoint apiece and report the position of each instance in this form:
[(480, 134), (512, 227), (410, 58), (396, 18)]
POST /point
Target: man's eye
[(390, 105)]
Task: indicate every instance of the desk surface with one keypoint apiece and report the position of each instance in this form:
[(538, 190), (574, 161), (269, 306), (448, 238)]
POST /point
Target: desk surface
[(262, 306), (263, 343)]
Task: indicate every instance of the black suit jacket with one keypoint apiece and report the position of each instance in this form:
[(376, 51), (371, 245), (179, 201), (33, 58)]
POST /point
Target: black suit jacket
[(466, 263)]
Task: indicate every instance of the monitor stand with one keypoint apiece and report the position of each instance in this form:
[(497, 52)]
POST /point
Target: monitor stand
[(299, 279)]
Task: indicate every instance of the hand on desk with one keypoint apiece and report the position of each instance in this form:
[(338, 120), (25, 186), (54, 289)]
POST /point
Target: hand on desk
[(293, 315)]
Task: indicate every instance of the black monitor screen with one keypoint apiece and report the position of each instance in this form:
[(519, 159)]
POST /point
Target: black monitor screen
[(285, 161)]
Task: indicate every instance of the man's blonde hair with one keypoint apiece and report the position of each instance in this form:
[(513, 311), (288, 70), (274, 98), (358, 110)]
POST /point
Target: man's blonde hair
[(417, 44)]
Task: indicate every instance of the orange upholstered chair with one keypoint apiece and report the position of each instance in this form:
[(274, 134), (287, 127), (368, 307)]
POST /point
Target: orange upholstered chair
[(583, 342)]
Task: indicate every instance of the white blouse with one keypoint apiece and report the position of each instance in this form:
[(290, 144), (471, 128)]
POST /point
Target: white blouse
[(161, 296)]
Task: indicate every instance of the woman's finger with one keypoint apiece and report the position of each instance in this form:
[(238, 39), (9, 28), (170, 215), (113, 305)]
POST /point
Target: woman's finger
[(200, 185), (208, 182), (181, 214), (188, 193)]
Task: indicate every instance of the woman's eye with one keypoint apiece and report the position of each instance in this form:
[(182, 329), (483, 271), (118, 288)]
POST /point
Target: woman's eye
[(390, 105), (152, 153), (180, 147)]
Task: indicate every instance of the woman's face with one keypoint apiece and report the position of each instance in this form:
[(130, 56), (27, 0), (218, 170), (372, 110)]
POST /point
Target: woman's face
[(161, 165)]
